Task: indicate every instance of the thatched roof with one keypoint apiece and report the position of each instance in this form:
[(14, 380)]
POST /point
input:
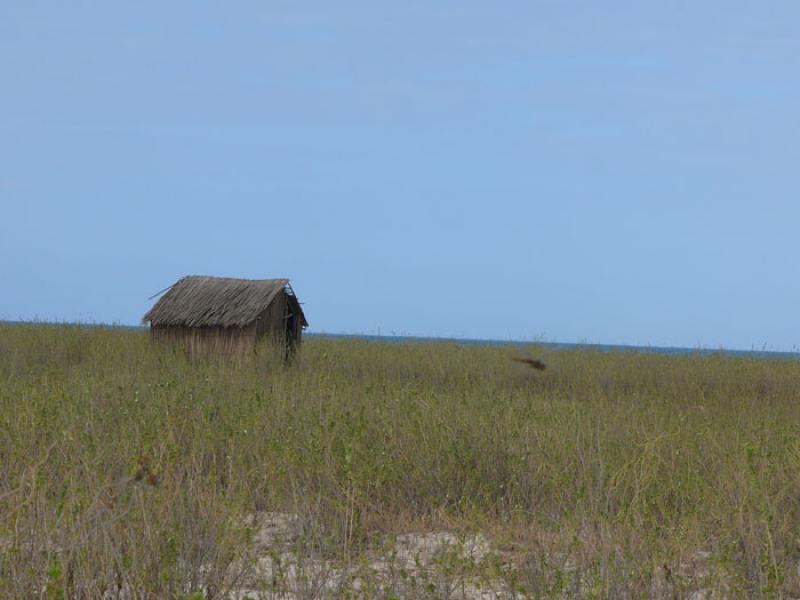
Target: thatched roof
[(197, 301)]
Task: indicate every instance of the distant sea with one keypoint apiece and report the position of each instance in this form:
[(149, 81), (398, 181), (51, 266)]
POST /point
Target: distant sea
[(398, 339)]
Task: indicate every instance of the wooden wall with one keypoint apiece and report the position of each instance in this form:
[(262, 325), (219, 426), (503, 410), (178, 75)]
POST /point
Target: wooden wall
[(202, 342), (272, 322), (295, 323)]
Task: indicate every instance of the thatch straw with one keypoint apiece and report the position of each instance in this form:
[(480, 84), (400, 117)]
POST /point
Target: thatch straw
[(196, 301)]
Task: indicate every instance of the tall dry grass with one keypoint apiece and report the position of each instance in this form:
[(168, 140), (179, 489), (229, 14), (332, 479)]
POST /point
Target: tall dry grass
[(125, 467)]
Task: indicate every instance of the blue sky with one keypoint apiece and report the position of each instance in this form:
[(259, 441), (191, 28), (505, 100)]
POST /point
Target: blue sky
[(601, 171)]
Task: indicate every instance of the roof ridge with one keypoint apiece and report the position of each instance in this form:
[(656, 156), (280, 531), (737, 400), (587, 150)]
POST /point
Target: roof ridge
[(204, 300)]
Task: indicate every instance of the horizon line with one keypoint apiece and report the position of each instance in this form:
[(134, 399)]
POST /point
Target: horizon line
[(602, 346)]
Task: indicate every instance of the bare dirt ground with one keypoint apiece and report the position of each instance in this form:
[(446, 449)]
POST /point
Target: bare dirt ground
[(438, 564), (411, 565)]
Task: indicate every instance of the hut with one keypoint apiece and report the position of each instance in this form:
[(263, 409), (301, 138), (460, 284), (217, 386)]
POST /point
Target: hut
[(221, 316)]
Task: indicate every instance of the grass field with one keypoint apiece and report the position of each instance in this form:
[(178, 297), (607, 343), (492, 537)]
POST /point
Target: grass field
[(125, 470)]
